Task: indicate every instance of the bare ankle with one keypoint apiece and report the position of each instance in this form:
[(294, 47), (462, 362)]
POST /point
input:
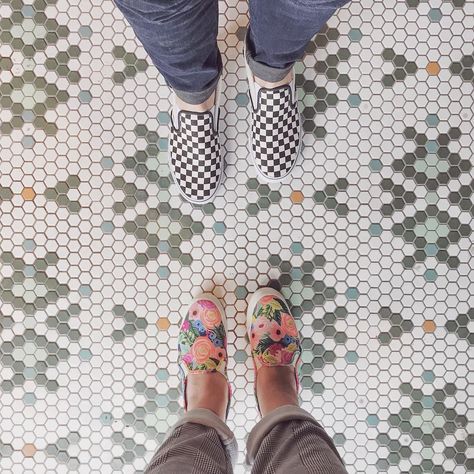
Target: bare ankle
[(202, 107), (208, 390), (276, 387), (271, 85)]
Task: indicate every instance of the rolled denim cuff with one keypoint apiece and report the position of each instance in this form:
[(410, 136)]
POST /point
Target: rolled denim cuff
[(268, 422), (202, 416), (192, 97), (260, 70), (197, 97)]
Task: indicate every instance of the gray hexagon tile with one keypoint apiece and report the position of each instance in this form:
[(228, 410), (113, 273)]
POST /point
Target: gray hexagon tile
[(371, 242)]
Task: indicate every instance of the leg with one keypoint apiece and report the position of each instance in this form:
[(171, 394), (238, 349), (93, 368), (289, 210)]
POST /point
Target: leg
[(180, 37), (279, 32), (277, 36), (289, 441), (200, 443)]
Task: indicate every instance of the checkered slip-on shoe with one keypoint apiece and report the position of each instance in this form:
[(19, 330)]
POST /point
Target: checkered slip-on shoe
[(194, 152), (202, 341), (276, 129), (273, 335)]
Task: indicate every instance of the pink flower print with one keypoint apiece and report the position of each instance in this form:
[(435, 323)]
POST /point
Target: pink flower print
[(286, 357), (202, 349), (269, 359), (261, 326), (266, 299), (195, 311), (219, 353), (207, 304), (271, 301), (288, 325), (211, 318), (275, 332), (188, 358), (186, 326), (275, 349)]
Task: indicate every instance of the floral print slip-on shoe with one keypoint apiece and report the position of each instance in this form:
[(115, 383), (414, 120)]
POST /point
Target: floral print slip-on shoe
[(202, 340), (273, 335)]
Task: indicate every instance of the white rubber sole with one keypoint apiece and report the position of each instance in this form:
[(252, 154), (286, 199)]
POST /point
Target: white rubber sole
[(211, 297), (256, 297)]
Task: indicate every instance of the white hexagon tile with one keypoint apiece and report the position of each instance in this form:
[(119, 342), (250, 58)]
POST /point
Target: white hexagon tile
[(371, 241)]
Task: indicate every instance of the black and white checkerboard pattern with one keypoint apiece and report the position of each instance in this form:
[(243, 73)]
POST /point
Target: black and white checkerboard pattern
[(275, 132), (195, 155)]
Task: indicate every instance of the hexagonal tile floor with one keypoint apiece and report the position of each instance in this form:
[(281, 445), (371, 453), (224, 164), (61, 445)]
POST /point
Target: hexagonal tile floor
[(371, 241)]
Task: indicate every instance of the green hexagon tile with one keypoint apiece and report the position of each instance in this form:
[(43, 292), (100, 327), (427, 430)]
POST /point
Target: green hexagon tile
[(371, 242)]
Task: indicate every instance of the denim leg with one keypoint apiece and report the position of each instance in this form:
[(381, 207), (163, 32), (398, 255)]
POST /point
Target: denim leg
[(280, 30), (180, 36)]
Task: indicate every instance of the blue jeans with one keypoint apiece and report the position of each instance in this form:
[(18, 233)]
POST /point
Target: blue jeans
[(180, 37)]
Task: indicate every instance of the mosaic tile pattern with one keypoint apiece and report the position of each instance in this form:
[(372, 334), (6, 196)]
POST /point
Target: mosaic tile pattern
[(371, 241)]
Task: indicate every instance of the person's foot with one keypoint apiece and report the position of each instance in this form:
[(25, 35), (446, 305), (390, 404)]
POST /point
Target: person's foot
[(202, 346), (275, 348), (205, 106), (276, 386), (208, 390), (276, 126), (272, 85), (194, 149)]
